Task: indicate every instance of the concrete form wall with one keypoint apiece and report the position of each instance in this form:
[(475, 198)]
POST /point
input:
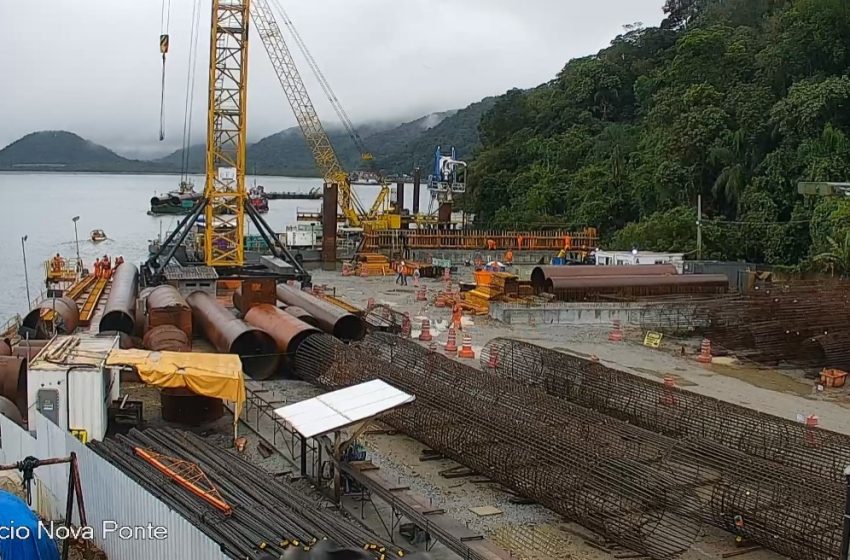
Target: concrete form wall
[(109, 496), (589, 314)]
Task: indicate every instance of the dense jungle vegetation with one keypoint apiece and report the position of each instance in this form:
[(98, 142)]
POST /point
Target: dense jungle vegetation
[(733, 100)]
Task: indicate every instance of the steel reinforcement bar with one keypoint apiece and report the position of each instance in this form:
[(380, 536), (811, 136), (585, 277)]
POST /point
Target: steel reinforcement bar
[(459, 407), (571, 467), (669, 410)]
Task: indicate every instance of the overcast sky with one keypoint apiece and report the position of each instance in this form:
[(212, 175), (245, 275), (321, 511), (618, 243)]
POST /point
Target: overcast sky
[(93, 66)]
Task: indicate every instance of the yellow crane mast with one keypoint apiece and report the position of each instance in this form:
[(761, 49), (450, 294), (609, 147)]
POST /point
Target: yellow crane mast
[(226, 121), (311, 126)]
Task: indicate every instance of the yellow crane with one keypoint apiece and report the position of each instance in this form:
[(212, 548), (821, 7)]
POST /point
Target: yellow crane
[(327, 161)]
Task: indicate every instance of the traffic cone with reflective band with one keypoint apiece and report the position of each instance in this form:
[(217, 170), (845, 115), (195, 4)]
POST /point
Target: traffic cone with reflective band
[(364, 272), (668, 395), (466, 350), (405, 325), (370, 304), (451, 343), (425, 335), (493, 358), (448, 287), (447, 274), (422, 294), (346, 269), (704, 352), (616, 334), (811, 436)]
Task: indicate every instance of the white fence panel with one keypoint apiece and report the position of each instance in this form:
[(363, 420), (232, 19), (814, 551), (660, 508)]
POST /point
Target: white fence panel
[(116, 506)]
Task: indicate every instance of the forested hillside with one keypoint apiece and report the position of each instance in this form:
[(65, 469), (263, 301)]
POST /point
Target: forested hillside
[(734, 100)]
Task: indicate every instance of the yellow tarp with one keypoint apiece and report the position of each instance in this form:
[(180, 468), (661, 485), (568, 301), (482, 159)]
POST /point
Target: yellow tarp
[(211, 375)]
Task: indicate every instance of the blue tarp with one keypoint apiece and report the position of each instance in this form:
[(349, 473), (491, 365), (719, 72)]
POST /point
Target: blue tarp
[(20, 538)]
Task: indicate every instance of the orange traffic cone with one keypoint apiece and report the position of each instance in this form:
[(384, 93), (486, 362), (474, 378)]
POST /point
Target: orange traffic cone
[(451, 343), (364, 272), (370, 304), (493, 358), (447, 274), (422, 295), (811, 435), (346, 269), (405, 325), (425, 335), (466, 350), (616, 334), (704, 352), (668, 396)]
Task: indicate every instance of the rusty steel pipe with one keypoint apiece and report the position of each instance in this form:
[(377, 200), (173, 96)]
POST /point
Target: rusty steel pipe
[(165, 305), (540, 274), (255, 347), (68, 318), (287, 331), (29, 349), (13, 381), (120, 311), (10, 411), (238, 304), (5, 348), (579, 282), (330, 318), (167, 338), (299, 314)]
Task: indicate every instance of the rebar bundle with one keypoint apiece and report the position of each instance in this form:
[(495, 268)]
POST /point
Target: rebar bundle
[(669, 410), (268, 516), (786, 323), (583, 472), (574, 460)]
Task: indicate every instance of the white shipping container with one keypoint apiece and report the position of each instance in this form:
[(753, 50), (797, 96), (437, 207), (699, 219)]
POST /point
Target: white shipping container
[(69, 383)]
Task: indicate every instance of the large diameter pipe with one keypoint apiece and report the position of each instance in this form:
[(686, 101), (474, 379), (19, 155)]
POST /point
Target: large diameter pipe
[(287, 331), (166, 306), (593, 282), (120, 311), (540, 274), (256, 348), (300, 314), (13, 381), (39, 323), (330, 318), (10, 411)]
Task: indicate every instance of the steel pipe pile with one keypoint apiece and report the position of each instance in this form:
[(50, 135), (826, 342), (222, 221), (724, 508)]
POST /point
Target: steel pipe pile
[(53, 316), (120, 311), (541, 274), (593, 287), (268, 515), (670, 410), (287, 331), (165, 305), (330, 318), (570, 464), (713, 484), (230, 335)]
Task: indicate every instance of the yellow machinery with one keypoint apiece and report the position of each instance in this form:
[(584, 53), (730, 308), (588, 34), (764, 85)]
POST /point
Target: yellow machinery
[(226, 119), (377, 216)]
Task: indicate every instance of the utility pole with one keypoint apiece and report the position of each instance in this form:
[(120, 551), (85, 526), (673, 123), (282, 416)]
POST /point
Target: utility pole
[(699, 227), (75, 219), (26, 273)]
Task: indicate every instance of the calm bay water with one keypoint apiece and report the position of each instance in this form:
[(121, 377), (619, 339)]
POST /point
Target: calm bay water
[(41, 206)]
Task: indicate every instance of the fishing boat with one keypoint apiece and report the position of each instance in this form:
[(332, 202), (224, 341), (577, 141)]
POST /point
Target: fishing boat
[(98, 235), (258, 198), (180, 201)]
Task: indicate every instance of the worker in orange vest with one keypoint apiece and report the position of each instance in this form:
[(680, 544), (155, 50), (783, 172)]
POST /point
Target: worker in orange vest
[(457, 315), (568, 242), (519, 239), (106, 267), (119, 260), (509, 257), (96, 268), (491, 245), (56, 263)]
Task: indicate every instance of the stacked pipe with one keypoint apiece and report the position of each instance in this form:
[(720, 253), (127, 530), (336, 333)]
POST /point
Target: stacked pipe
[(120, 311), (268, 516), (671, 411), (169, 320), (287, 331), (617, 493), (330, 318), (710, 483), (230, 335), (53, 316)]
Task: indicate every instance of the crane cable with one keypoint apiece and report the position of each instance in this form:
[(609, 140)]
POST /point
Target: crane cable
[(189, 101), (165, 21)]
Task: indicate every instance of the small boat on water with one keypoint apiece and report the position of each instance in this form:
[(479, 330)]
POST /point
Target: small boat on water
[(258, 198), (98, 235), (180, 201)]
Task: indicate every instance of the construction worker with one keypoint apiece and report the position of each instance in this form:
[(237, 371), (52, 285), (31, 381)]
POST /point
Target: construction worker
[(400, 278), (491, 245), (509, 257), (105, 267), (96, 268), (119, 260), (457, 315), (519, 239), (416, 276), (568, 242), (56, 263)]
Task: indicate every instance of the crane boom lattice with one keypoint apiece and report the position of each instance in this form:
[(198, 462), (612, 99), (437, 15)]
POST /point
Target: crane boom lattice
[(226, 122), (305, 112)]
